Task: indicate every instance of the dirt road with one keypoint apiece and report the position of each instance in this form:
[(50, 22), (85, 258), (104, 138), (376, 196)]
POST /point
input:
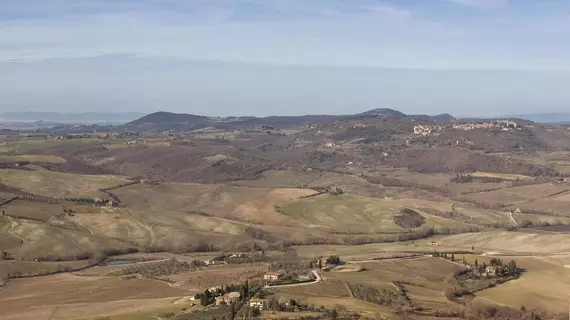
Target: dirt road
[(391, 259), (144, 225), (513, 219)]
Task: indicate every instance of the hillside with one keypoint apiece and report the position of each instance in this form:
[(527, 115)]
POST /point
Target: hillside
[(383, 112), (407, 202), (552, 118), (164, 121), (444, 117), (57, 117), (218, 151), (168, 117)]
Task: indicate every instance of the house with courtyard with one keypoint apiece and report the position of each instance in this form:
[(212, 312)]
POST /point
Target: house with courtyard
[(272, 275), (258, 303), (231, 297)]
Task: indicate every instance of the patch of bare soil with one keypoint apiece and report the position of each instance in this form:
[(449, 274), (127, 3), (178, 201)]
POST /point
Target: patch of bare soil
[(348, 268)]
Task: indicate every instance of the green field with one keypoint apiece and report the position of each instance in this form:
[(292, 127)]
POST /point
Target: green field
[(31, 158), (4, 221), (22, 146)]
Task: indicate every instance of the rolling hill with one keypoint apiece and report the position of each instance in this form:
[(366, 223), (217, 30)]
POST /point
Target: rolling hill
[(181, 121)]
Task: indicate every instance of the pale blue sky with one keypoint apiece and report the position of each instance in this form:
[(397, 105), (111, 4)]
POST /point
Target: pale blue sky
[(259, 57)]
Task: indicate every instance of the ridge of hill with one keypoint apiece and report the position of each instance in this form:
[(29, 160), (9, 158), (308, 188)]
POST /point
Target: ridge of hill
[(384, 112), (547, 118), (168, 117), (163, 120), (444, 117), (59, 117)]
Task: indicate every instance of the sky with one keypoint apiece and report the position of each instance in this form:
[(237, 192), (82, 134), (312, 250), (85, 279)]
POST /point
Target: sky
[(285, 57)]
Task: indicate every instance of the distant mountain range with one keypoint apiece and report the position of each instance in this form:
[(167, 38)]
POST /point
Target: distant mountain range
[(383, 112), (554, 118), (162, 117), (57, 117)]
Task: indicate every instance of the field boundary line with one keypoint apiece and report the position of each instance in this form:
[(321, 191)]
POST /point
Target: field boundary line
[(144, 225), (556, 194), (5, 202), (456, 263), (55, 312), (349, 290)]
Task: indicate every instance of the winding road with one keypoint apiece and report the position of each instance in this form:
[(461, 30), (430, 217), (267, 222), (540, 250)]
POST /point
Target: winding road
[(318, 278), (513, 219), (151, 236)]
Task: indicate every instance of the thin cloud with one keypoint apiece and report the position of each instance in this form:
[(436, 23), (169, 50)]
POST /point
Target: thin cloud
[(390, 11), (481, 3)]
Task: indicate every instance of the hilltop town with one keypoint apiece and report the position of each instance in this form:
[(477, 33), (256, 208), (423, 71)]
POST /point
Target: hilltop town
[(435, 129)]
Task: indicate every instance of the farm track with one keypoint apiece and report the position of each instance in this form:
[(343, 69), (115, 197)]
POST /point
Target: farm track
[(349, 290), (55, 312), (8, 201), (151, 235), (13, 235), (534, 199), (69, 187), (512, 219), (84, 226), (557, 193), (172, 285)]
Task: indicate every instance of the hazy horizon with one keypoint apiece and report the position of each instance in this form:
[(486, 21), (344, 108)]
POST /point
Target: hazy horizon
[(285, 57)]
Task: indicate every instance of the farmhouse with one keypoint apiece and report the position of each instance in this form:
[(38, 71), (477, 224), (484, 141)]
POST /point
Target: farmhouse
[(214, 289), (491, 271), (231, 297), (258, 303), (322, 261), (272, 275)]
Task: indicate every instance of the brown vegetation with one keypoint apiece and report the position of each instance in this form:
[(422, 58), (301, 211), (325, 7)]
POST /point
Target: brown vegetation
[(376, 184), (409, 219)]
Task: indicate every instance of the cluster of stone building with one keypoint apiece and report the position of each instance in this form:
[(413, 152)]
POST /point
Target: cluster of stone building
[(435, 129)]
